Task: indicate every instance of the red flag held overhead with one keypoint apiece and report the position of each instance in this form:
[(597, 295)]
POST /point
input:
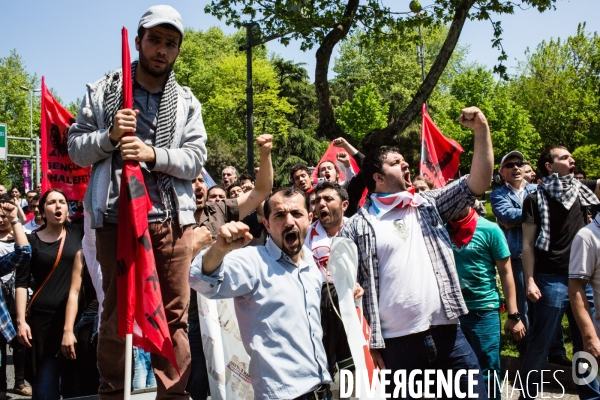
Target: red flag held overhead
[(140, 307), (440, 155)]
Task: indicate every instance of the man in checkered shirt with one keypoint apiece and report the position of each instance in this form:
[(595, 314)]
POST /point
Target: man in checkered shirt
[(412, 298)]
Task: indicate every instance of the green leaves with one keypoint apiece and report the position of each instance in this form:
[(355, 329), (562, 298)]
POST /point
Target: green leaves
[(558, 85), (211, 64), (15, 112), (587, 158), (364, 113)]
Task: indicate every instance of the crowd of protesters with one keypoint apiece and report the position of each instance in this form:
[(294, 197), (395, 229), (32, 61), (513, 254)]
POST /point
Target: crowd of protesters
[(52, 317), (427, 259)]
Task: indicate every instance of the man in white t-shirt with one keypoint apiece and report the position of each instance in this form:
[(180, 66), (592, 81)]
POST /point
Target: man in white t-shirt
[(584, 267), (412, 298)]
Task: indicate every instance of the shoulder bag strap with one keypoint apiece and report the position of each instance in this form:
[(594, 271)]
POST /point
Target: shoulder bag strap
[(60, 249)]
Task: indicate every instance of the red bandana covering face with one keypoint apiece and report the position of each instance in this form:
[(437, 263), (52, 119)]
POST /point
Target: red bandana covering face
[(464, 229)]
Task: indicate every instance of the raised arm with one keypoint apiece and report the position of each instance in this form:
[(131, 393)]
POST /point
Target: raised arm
[(69, 341), (482, 165), (343, 143), (231, 236), (22, 253), (248, 202), (215, 278)]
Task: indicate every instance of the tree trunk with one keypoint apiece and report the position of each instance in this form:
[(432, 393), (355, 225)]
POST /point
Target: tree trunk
[(389, 135), (327, 124)]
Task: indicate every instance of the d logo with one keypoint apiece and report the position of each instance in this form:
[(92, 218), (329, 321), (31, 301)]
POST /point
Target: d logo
[(585, 368)]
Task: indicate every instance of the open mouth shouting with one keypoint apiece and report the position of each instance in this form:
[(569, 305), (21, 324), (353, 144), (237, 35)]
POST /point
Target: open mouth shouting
[(323, 215), (291, 241), (406, 176), (58, 214)]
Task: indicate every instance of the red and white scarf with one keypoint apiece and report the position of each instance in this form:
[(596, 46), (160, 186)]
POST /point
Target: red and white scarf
[(319, 242), (382, 203)]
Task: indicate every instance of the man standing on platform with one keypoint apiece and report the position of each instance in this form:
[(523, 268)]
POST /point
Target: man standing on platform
[(169, 142)]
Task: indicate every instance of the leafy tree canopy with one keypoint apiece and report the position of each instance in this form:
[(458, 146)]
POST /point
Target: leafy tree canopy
[(15, 113)]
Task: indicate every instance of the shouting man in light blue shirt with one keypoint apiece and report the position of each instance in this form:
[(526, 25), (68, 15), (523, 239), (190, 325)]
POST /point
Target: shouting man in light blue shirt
[(277, 294)]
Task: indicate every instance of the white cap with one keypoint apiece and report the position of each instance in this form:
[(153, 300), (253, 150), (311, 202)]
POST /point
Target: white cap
[(512, 154), (157, 15)]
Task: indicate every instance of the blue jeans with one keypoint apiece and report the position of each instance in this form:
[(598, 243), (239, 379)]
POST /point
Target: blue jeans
[(143, 374), (198, 382), (442, 347), (47, 380), (482, 330), (546, 316), (523, 305)]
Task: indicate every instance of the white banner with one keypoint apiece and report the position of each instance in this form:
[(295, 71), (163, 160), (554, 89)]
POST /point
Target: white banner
[(226, 358), (343, 264)]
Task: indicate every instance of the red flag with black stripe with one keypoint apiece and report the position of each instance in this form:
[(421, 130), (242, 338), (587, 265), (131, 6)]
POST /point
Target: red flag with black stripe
[(440, 155), (140, 307)]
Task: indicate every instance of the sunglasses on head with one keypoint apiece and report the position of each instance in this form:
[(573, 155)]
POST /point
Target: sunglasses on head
[(512, 164)]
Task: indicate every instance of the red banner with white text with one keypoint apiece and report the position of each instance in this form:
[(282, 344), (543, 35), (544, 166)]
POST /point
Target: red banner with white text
[(59, 171)]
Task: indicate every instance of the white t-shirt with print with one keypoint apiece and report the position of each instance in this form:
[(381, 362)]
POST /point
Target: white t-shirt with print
[(409, 297)]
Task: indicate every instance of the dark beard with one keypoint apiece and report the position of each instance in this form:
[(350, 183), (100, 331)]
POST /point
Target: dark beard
[(292, 252), (144, 63)]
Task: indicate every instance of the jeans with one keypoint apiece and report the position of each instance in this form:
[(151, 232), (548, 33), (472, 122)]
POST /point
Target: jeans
[(47, 380), (143, 375), (523, 305), (198, 383), (546, 315), (442, 347), (482, 330)]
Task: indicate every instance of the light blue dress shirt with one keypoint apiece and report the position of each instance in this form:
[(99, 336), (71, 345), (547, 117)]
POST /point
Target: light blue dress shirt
[(278, 309)]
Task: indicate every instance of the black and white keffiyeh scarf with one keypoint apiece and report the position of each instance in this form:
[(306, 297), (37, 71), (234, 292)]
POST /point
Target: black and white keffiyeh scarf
[(564, 189), (165, 125)]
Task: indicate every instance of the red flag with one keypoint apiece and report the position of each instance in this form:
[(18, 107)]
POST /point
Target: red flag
[(330, 155), (140, 307), (439, 155), (59, 171)]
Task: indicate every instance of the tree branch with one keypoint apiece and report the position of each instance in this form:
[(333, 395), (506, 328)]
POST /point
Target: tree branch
[(389, 134), (327, 124)]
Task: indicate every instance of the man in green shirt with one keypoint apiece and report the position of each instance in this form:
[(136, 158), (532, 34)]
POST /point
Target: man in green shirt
[(479, 247)]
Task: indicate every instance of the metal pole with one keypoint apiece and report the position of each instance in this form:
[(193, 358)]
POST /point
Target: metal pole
[(37, 160), (422, 55), (31, 122), (249, 102)]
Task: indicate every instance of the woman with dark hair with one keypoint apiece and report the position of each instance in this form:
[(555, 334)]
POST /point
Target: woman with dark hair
[(40, 325), (16, 195)]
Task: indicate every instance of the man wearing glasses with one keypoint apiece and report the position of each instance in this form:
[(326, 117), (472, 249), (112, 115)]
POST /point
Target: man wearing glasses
[(507, 205)]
